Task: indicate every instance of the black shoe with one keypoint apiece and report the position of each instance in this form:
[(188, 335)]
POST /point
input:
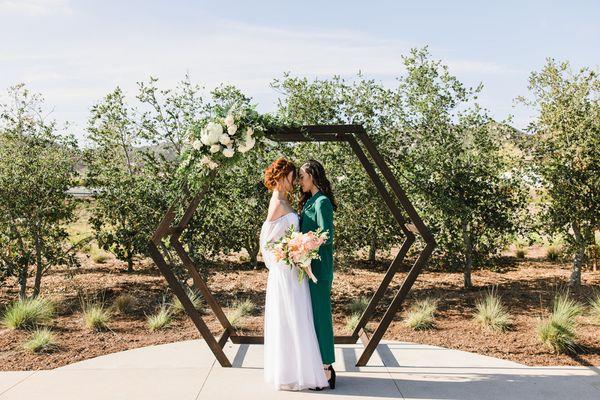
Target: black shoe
[(332, 379), (316, 388)]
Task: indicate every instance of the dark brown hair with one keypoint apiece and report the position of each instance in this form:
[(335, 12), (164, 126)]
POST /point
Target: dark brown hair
[(278, 169), (317, 172)]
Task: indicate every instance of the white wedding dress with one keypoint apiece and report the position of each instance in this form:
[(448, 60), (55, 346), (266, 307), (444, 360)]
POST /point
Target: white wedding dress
[(292, 359)]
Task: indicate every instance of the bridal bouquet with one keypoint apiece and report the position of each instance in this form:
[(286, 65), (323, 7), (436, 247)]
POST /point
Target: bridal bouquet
[(297, 248)]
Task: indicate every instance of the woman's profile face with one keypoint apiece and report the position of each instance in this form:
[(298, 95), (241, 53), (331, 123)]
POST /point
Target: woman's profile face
[(289, 180), (287, 183), (305, 180)]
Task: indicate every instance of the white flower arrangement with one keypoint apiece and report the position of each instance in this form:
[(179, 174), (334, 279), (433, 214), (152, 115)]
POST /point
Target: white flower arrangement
[(215, 140)]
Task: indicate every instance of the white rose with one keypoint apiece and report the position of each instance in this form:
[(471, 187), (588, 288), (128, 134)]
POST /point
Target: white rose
[(215, 148), (249, 131), (232, 129), (213, 132), (224, 139), (247, 145), (213, 165), (197, 144), (228, 152), (229, 120), (248, 136), (214, 128), (204, 136), (205, 160)]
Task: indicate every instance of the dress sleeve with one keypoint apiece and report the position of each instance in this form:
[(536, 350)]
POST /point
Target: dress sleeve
[(275, 231), (270, 234), (324, 212), (267, 255)]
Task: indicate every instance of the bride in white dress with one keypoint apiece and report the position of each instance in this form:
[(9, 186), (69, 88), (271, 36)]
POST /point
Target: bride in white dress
[(292, 359)]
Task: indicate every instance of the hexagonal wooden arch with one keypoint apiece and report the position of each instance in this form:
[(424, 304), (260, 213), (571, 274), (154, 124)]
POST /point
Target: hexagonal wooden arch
[(353, 134)]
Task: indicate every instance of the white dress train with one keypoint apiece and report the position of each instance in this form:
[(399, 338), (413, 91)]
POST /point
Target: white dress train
[(292, 359)]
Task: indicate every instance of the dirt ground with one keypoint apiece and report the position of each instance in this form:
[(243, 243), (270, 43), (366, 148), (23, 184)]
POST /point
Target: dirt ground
[(526, 286)]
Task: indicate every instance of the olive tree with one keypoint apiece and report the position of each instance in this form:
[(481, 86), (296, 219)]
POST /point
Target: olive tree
[(131, 192), (337, 101), (445, 150), (36, 170), (565, 151), (466, 184), (134, 163)]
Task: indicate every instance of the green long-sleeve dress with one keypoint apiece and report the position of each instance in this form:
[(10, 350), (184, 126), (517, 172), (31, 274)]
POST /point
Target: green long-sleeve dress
[(318, 212)]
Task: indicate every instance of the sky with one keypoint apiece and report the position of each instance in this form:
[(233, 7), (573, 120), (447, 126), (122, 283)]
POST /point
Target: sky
[(75, 52)]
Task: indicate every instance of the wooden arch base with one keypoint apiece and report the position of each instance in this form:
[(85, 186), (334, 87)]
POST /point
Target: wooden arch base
[(353, 134)]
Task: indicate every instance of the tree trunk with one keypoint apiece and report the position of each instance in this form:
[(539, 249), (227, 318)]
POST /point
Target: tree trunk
[(39, 268), (372, 248), (23, 282), (24, 265), (579, 259), (468, 246), (254, 257), (253, 248), (130, 264)]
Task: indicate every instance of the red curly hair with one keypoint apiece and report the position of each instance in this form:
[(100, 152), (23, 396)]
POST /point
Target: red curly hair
[(280, 168)]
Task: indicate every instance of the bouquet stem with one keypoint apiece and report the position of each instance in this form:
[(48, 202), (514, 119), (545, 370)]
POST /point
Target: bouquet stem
[(310, 274)]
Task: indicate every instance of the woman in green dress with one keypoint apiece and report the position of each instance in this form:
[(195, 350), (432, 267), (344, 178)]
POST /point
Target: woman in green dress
[(317, 205)]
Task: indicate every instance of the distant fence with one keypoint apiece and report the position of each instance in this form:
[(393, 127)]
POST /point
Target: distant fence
[(82, 192)]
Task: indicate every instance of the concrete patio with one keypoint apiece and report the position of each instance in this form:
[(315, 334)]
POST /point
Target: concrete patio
[(188, 370)]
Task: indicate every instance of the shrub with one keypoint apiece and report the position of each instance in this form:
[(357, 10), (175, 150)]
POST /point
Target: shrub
[(520, 252), (95, 316), (98, 255), (42, 339), (239, 310), (421, 314), (28, 313), (553, 253), (193, 295), (124, 303), (358, 305), (557, 332), (595, 308), (352, 321), (491, 313), (160, 320)]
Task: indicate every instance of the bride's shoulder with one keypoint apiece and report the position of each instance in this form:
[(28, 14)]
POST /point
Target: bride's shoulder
[(292, 217), (283, 210)]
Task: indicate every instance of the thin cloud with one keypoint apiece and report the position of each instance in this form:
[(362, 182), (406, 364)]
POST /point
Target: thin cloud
[(35, 7), (249, 56)]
